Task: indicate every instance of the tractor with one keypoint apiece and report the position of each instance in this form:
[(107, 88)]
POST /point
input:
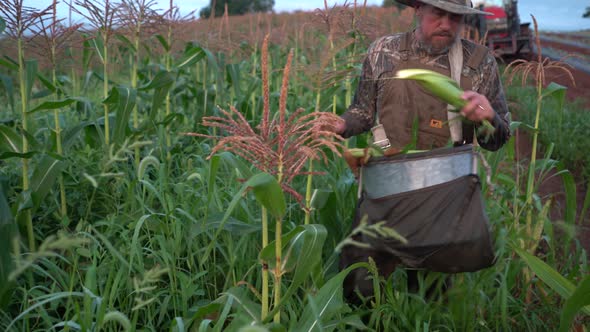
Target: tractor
[(504, 33)]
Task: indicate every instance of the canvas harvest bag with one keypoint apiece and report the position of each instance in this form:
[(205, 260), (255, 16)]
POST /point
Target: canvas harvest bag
[(434, 200)]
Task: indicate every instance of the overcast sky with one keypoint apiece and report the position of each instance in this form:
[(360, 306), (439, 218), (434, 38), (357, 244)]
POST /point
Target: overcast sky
[(550, 14)]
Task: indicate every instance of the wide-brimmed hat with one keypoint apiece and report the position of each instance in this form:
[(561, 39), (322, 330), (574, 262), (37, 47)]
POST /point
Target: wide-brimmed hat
[(461, 7)]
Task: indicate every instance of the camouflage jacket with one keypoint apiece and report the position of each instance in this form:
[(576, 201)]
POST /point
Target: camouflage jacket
[(383, 56)]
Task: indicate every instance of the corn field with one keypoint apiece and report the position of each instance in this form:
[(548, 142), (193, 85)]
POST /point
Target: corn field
[(163, 174)]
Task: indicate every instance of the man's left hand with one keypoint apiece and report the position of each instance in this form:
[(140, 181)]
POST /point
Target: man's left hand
[(478, 107)]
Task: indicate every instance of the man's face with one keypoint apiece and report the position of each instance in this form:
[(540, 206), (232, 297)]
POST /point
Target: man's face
[(437, 29)]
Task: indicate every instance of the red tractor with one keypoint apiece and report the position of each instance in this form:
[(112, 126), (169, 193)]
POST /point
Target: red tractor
[(506, 36)]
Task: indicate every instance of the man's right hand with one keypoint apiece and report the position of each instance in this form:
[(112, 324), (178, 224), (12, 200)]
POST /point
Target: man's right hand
[(340, 127)]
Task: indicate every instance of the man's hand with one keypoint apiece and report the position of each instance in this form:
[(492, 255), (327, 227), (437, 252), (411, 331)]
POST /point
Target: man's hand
[(478, 107), (357, 158), (340, 127)]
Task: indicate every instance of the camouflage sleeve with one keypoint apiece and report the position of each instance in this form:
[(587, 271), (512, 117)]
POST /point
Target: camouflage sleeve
[(359, 116), (493, 90)]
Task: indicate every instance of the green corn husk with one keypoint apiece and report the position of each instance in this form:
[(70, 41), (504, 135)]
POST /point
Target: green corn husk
[(444, 88), (360, 152), (373, 151), (439, 85)]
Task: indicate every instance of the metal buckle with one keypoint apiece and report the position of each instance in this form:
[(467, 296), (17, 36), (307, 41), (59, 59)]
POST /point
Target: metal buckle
[(380, 138)]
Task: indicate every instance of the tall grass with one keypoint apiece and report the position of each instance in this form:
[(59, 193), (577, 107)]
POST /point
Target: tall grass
[(169, 232)]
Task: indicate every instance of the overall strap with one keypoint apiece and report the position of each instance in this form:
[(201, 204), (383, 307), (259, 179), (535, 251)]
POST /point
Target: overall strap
[(405, 42), (479, 54), (405, 46), (455, 56)]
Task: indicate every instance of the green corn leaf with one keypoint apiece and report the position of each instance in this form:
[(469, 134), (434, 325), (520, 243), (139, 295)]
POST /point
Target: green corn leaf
[(9, 63), (291, 246), (214, 66), (163, 42), (205, 311), (161, 84), (122, 99), (214, 165), (9, 88), (243, 170), (31, 74), (127, 43), (98, 45), (191, 56), (260, 180), (44, 177), (253, 87), (24, 202), (578, 300), (7, 232), (569, 184), (269, 194), (307, 249), (233, 78), (33, 143), (8, 155), (327, 304), (319, 198), (86, 51), (9, 140), (71, 134), (556, 91), (550, 276), (170, 118), (243, 304), (213, 168), (55, 104), (46, 82), (231, 225)]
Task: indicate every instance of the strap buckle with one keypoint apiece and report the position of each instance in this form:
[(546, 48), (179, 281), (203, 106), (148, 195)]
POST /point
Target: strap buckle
[(380, 138)]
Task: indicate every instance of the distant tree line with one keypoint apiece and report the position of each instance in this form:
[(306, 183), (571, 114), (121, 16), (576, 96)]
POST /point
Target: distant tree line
[(236, 7), (391, 3)]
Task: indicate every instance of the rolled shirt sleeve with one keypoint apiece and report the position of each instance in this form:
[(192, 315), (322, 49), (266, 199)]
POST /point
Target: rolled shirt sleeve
[(493, 90), (359, 117)]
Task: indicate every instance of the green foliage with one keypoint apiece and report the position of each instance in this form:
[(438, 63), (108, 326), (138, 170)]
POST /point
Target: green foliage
[(391, 3), (563, 124), (577, 298), (173, 243), (8, 235), (122, 100), (236, 7)]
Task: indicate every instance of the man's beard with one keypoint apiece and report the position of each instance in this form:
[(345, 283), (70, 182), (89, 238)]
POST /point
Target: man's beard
[(435, 46)]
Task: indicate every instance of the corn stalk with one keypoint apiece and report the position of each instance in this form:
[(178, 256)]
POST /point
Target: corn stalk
[(168, 62), (25, 149)]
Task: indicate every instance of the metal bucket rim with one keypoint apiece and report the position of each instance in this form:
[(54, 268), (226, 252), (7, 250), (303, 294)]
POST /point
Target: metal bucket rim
[(440, 152)]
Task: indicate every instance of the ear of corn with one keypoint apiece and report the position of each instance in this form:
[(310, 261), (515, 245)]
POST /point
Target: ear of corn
[(439, 85), (364, 152), (446, 89)]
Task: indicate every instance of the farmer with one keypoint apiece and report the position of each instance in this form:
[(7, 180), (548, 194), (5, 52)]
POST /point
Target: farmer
[(393, 108)]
